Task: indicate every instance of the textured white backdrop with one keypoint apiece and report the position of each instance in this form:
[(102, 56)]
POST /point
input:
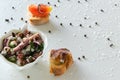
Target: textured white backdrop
[(102, 61)]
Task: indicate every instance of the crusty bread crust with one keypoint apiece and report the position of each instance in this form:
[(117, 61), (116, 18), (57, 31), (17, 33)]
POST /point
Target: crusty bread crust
[(38, 20), (59, 69)]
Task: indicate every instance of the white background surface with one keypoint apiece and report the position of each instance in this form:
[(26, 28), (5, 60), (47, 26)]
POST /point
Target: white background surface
[(102, 62)]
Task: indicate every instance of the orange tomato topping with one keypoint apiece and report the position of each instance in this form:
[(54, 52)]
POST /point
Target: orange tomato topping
[(40, 10)]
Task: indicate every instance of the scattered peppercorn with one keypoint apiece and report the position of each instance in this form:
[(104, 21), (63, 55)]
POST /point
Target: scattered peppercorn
[(55, 5), (5, 32), (11, 18), (115, 4), (108, 39), (28, 76), (102, 10), (83, 57), (49, 31), (78, 1), (90, 26), (71, 24), (56, 16), (58, 0), (111, 45), (7, 20), (85, 18), (61, 24), (21, 18), (86, 0), (13, 7), (96, 23), (80, 25), (85, 35), (49, 3), (78, 58), (26, 21)]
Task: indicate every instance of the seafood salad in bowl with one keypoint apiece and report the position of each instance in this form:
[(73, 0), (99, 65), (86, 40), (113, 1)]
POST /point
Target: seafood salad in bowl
[(22, 47)]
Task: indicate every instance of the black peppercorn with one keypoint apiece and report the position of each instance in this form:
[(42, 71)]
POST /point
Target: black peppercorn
[(90, 26), (5, 32), (71, 24), (85, 18), (49, 3), (102, 10), (115, 4), (13, 7), (78, 1), (108, 39), (28, 76), (55, 5), (80, 25), (49, 31), (61, 24), (21, 18), (96, 23), (78, 58), (83, 57), (111, 45), (56, 16), (25, 21), (85, 35), (11, 18), (7, 20), (58, 0)]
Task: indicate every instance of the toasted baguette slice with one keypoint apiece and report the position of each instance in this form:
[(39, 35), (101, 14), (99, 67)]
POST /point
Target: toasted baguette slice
[(39, 14), (60, 61), (39, 20)]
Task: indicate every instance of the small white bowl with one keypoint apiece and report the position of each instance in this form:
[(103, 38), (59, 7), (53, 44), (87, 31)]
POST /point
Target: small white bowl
[(29, 64)]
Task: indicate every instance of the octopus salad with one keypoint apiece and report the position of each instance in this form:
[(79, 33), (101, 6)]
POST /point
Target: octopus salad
[(22, 47)]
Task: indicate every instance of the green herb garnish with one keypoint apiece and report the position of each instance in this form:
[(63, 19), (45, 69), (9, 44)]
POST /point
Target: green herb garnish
[(13, 44), (36, 48), (40, 47), (12, 59)]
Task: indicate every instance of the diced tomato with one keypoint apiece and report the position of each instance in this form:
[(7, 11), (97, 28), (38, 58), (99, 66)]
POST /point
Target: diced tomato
[(20, 56), (36, 55), (40, 10)]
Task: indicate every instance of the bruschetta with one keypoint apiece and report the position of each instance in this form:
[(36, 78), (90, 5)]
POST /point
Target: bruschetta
[(60, 61), (39, 14)]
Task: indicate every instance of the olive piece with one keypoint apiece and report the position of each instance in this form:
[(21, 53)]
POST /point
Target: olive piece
[(13, 44)]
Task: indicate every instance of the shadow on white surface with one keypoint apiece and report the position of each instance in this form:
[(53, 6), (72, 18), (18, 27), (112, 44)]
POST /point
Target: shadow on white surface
[(45, 27), (41, 71)]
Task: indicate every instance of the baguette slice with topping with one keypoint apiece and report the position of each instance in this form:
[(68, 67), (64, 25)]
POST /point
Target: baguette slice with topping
[(60, 61), (39, 14)]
